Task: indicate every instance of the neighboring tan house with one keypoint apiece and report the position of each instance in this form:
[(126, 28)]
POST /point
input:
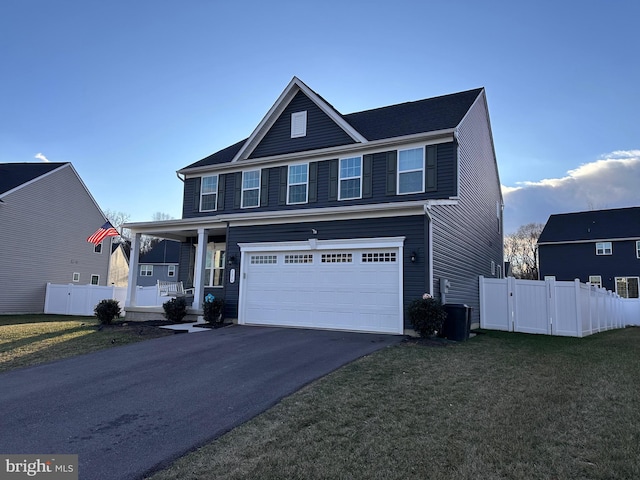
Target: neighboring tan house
[(46, 215), (599, 246), (325, 220), (159, 263), (118, 265)]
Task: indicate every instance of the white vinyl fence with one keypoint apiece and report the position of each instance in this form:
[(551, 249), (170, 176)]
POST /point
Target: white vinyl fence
[(75, 299), (551, 307)]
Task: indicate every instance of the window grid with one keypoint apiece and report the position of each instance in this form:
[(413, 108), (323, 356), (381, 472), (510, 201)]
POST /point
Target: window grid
[(337, 258), (595, 280), (263, 259), (76, 276), (146, 270), (299, 258), (603, 248), (411, 171), (627, 287), (350, 178), (95, 279), (251, 189), (209, 193), (377, 257), (298, 179)]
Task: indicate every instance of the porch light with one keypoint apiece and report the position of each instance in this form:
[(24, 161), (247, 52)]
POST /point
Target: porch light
[(232, 260), (414, 257)]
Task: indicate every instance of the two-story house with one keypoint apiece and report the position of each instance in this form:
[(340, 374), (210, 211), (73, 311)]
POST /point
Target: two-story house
[(600, 246), (46, 215), (160, 262), (325, 220)]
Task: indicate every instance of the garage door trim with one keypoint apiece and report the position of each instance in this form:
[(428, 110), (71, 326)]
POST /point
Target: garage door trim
[(313, 244)]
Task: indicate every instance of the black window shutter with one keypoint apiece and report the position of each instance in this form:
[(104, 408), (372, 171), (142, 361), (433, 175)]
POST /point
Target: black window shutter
[(221, 181), (313, 182), (367, 176), (196, 194), (333, 179), (264, 188), (391, 172), (282, 194), (237, 195), (431, 169)]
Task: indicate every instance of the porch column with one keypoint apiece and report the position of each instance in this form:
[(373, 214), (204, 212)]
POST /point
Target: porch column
[(198, 273), (133, 271)]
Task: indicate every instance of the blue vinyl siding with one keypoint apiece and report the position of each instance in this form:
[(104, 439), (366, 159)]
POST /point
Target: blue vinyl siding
[(579, 260), (446, 187), (466, 236), (322, 131), (411, 227)]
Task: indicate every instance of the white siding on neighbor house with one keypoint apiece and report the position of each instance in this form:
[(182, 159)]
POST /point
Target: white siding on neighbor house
[(466, 237), (43, 238), (118, 269)]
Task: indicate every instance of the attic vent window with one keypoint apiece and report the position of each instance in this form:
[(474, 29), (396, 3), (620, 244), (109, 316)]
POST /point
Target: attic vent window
[(299, 124)]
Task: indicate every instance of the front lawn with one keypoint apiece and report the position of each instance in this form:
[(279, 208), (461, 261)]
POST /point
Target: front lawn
[(27, 340), (500, 406)]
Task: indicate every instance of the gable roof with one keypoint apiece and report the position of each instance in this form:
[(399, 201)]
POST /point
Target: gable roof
[(423, 116), (165, 251), (593, 225), (14, 175)]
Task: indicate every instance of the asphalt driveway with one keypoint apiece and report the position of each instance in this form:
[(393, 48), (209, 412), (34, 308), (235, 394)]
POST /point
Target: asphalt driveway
[(129, 410)]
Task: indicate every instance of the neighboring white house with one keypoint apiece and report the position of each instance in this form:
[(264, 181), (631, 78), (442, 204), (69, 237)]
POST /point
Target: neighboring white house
[(118, 266), (46, 215)]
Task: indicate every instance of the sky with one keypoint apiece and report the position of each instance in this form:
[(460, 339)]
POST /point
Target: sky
[(130, 92)]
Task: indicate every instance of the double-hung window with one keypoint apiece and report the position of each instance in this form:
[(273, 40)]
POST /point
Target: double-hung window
[(350, 178), (627, 287), (596, 280), (298, 182), (209, 193), (411, 171), (603, 248), (638, 249), (146, 270), (251, 188)]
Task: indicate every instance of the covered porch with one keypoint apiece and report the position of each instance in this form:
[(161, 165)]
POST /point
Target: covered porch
[(196, 234)]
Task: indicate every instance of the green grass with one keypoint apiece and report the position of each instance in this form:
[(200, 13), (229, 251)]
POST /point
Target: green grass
[(500, 406), (27, 340)]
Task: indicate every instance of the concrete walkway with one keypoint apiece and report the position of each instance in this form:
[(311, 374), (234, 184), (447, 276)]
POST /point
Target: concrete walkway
[(129, 410)]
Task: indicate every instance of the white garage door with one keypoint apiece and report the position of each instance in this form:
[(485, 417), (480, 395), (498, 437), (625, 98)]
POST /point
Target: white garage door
[(331, 287)]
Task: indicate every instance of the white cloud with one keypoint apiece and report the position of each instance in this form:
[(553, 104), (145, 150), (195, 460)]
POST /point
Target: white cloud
[(40, 156), (612, 181)]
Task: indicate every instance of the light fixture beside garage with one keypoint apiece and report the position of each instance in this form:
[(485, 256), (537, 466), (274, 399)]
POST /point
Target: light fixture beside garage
[(232, 260), (414, 257)]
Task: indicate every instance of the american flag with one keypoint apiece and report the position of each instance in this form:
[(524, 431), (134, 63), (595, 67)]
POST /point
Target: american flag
[(106, 230)]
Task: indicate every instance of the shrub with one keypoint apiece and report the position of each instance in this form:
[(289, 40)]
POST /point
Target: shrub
[(213, 309), (426, 315), (106, 310), (175, 309)]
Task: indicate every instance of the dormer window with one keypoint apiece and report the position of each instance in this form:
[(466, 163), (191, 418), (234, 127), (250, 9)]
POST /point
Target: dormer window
[(299, 124)]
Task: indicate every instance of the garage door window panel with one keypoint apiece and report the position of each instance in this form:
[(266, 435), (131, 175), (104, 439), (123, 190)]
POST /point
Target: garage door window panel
[(263, 259)]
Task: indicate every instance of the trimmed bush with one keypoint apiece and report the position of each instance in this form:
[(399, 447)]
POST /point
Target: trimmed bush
[(106, 310), (427, 315), (175, 309), (213, 309)]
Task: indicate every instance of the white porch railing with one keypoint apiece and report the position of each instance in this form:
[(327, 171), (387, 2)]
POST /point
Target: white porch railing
[(553, 308)]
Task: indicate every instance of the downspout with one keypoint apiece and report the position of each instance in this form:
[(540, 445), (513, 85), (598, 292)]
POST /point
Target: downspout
[(427, 211)]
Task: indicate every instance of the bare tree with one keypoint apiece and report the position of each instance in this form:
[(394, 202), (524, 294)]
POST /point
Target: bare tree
[(160, 216), (520, 251), (117, 219)]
